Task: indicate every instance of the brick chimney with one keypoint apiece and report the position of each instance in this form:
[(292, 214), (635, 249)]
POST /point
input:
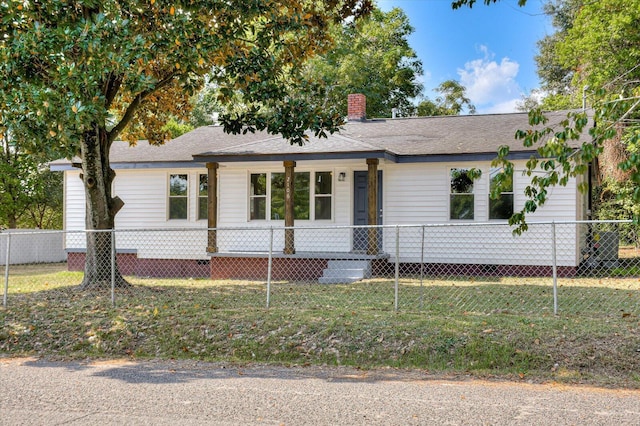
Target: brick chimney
[(356, 107)]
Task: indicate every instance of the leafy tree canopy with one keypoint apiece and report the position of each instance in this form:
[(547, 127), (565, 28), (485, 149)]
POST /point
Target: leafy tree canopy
[(452, 101), (457, 4), (371, 56), (75, 75), (599, 48), (28, 191)]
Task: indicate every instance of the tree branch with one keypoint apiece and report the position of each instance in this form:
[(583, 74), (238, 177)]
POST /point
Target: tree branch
[(133, 106), (111, 87)]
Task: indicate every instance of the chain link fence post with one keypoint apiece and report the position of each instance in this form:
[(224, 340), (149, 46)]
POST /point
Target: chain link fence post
[(397, 275), (269, 267), (113, 267), (6, 271), (422, 270), (554, 263)]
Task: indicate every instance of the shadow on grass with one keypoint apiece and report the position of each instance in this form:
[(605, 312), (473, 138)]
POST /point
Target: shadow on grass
[(442, 296), (347, 325)]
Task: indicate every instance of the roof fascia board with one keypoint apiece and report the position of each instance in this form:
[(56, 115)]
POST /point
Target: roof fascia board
[(221, 158), (447, 158), (200, 160), (60, 167)]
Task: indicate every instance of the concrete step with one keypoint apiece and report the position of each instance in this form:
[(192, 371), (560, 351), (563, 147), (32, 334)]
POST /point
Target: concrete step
[(345, 271), (349, 264)]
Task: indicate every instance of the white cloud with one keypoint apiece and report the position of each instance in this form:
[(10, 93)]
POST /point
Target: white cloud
[(491, 86), (507, 106)]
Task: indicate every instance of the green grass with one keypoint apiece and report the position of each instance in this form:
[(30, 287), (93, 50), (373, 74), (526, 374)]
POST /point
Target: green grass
[(485, 328)]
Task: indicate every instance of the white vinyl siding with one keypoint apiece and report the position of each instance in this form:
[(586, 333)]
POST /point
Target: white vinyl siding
[(74, 208), (418, 193), (414, 193)]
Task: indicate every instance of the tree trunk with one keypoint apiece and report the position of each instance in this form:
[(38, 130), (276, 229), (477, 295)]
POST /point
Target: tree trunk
[(101, 210)]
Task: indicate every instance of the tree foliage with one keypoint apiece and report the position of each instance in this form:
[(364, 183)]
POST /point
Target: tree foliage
[(452, 101), (457, 4), (555, 75), (371, 56), (75, 75), (597, 48), (30, 194)]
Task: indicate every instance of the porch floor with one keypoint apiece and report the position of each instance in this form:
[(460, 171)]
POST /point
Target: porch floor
[(302, 255)]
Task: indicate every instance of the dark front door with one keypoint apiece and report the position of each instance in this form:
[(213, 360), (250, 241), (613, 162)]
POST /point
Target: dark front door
[(361, 208)]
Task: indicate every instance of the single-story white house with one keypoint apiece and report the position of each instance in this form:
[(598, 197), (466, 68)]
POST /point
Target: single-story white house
[(380, 171)]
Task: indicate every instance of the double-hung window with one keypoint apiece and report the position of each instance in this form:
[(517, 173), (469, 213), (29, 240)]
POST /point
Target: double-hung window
[(300, 195), (178, 196), (258, 197), (461, 198), (500, 207), (203, 208), (323, 194), (312, 196)]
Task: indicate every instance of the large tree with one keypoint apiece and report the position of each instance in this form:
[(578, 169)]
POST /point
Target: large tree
[(452, 100), (75, 75), (371, 56), (603, 46)]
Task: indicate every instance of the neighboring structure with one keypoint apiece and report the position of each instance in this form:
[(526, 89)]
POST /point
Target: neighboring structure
[(381, 171), (31, 246)]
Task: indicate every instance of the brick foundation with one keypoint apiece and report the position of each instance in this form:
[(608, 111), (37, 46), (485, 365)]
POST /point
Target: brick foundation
[(256, 268), (384, 268), (130, 265), (300, 269)]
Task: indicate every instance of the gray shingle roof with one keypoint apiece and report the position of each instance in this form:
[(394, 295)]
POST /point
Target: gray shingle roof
[(397, 139)]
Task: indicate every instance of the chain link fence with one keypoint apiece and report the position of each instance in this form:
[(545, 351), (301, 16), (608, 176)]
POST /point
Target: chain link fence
[(573, 268)]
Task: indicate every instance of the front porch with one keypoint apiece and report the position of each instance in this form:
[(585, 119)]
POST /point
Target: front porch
[(300, 266)]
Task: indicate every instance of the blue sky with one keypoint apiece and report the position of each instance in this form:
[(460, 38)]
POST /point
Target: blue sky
[(489, 49)]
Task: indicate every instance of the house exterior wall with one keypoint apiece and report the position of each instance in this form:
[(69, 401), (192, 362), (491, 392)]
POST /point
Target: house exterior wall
[(145, 194), (414, 193), (418, 193)]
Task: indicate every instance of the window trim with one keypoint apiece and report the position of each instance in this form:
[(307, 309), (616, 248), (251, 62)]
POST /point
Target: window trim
[(313, 174), (490, 200), (471, 194), (265, 196), (313, 198), (199, 197), (170, 197)]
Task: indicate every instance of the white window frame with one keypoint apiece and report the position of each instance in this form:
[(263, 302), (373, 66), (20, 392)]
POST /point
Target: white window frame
[(313, 174), (170, 197), (199, 197), (490, 200), (265, 196), (471, 194), (313, 197)]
